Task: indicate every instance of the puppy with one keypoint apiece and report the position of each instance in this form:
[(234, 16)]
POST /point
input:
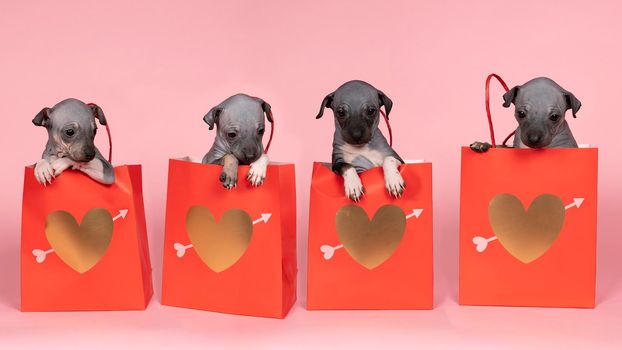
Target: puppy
[(240, 127), (71, 131), (540, 108), (358, 144)]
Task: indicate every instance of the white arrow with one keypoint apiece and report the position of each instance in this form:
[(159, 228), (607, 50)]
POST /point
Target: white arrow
[(41, 254), (264, 217), (181, 248), (481, 243), (328, 250)]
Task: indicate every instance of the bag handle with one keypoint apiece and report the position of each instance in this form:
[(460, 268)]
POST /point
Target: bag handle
[(492, 130), (109, 136), (386, 120)]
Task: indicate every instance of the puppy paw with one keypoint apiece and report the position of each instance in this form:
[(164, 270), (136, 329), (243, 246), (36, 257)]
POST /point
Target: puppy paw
[(257, 171), (480, 147), (61, 164), (44, 173), (353, 185), (229, 178), (394, 184), (393, 180)]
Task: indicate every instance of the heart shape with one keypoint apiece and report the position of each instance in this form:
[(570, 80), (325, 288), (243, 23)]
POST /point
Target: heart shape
[(219, 244), (481, 243), (526, 235), (370, 243), (79, 246)]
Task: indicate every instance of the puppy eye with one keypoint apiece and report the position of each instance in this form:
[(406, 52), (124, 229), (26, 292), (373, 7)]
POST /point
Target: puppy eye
[(554, 117), (260, 131), (521, 114), (371, 111), (69, 132), (232, 135)]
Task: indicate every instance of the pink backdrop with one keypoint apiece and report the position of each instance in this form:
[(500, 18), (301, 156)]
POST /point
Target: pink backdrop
[(156, 67)]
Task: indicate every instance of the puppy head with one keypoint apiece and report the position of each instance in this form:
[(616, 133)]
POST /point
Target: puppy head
[(540, 108), (355, 105), (240, 125), (71, 128)]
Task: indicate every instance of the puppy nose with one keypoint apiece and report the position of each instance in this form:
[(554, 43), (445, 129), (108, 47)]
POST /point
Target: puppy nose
[(357, 134), (90, 154), (534, 138)]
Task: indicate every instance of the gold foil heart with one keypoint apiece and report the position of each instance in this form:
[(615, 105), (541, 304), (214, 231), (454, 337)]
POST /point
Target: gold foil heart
[(79, 246), (526, 235), (370, 243), (219, 244)]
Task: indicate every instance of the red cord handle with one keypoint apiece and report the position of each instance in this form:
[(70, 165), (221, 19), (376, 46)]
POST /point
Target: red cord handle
[(386, 120), (492, 130), (109, 136)]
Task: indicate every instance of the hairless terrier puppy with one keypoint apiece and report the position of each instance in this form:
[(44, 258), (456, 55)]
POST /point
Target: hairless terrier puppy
[(240, 128), (71, 131), (358, 144), (540, 110)]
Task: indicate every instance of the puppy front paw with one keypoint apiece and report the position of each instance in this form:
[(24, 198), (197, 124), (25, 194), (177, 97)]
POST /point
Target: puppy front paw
[(61, 164), (44, 173), (257, 171), (480, 147), (353, 185), (394, 183), (229, 177)]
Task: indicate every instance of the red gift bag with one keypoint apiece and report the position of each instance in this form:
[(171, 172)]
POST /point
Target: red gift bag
[(231, 251), (374, 254), (528, 227), (84, 244)]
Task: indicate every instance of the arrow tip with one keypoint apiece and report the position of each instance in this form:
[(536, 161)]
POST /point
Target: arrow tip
[(265, 217), (417, 212), (123, 213), (578, 201)]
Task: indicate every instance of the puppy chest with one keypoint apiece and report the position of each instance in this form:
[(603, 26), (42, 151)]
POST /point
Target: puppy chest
[(363, 155)]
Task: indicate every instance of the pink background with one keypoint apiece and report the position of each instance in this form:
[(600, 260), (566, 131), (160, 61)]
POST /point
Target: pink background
[(156, 67)]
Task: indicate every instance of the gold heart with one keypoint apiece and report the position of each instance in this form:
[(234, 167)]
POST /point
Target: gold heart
[(370, 243), (526, 235), (222, 244), (79, 246)]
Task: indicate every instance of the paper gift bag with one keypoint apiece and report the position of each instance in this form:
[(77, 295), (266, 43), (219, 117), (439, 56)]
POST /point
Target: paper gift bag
[(231, 251), (374, 254), (528, 227), (84, 244)]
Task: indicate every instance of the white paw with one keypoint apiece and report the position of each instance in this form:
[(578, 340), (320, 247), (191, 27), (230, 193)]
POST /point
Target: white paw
[(257, 171), (353, 185), (44, 173), (61, 164), (392, 178)]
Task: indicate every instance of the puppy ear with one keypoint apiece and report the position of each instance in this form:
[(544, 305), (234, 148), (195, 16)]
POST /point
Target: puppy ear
[(98, 113), (211, 118), (509, 96), (326, 102), (572, 103), (42, 118), (386, 102), (266, 109)]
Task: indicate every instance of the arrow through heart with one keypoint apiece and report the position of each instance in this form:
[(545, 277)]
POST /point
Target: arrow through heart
[(40, 254), (328, 251), (181, 248), (481, 243)]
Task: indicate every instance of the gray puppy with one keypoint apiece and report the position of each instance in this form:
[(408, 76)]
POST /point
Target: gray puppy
[(540, 108), (239, 122), (358, 144), (71, 131)]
